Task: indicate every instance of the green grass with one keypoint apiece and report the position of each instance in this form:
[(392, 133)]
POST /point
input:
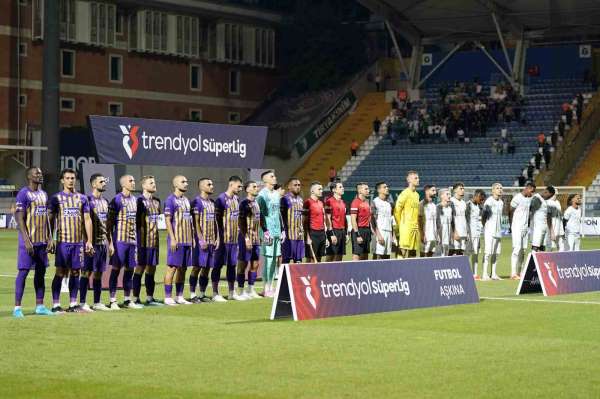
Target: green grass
[(495, 349)]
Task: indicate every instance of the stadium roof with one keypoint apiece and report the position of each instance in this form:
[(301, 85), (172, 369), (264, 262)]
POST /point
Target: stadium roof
[(435, 21)]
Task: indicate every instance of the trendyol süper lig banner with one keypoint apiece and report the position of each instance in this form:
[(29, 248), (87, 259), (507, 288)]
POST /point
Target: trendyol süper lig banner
[(176, 143), (555, 273), (319, 290)]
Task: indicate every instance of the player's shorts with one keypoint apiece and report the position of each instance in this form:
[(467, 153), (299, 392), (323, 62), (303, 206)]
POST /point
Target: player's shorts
[(538, 238), (573, 242), (147, 256), (386, 247), (274, 249), (69, 256), (460, 244), (493, 245), (430, 246), (226, 255), (248, 255), (181, 257), (520, 238), (125, 255), (364, 247), (97, 262), (340, 247), (473, 245), (410, 240), (292, 250), (203, 257), (319, 243), (31, 262)]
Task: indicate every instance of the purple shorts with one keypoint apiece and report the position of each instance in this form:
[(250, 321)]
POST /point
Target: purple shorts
[(226, 255), (97, 262), (203, 257), (248, 255), (125, 256), (69, 255), (182, 257), (147, 256), (28, 262), (292, 250)]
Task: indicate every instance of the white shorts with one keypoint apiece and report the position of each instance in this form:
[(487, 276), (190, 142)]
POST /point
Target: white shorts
[(520, 238), (538, 238), (493, 245), (573, 242), (460, 244), (473, 245), (386, 248), (430, 246)]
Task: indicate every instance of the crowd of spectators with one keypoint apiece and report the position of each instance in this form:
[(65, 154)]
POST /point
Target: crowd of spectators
[(462, 111)]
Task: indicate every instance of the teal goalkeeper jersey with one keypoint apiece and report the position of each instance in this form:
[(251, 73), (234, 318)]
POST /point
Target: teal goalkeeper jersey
[(269, 202)]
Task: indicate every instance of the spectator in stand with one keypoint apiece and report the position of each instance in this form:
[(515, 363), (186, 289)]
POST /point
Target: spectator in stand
[(495, 146), (547, 153), (530, 171), (554, 137), (504, 145), (511, 146), (538, 157), (354, 147), (561, 128), (376, 126), (394, 103), (461, 136), (579, 107), (378, 81), (332, 174), (522, 180), (541, 139)]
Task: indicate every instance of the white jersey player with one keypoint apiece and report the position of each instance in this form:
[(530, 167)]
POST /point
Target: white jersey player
[(445, 211), (573, 217), (492, 222), (519, 227), (556, 237), (428, 218), (383, 222), (475, 229), (540, 221), (459, 241)]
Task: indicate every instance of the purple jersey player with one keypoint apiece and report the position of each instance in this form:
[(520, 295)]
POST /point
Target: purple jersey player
[(148, 211), (206, 238), (227, 213), (95, 264), (179, 242), (122, 235), (292, 210), (248, 242), (70, 215), (31, 214)]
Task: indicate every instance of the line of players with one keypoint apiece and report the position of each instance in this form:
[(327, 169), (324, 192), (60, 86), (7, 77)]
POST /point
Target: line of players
[(207, 235)]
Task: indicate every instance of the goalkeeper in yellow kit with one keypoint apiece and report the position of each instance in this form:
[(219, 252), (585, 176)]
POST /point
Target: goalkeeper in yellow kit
[(406, 213)]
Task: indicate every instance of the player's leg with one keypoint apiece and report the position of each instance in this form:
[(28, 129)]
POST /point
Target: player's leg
[(117, 262), (74, 264), (136, 281), (150, 284), (180, 283), (84, 282), (193, 282), (19, 290), (130, 266), (487, 254), (517, 253), (252, 273), (494, 259), (60, 260), (206, 262), (561, 243), (230, 273), (242, 265), (168, 283), (215, 275)]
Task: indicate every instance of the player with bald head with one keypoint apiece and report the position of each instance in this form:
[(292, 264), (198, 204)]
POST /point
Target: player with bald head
[(180, 241), (122, 235)]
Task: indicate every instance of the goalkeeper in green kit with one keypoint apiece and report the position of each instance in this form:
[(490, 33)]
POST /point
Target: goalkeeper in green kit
[(269, 201)]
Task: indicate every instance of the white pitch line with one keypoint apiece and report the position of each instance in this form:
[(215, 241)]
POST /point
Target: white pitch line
[(541, 300)]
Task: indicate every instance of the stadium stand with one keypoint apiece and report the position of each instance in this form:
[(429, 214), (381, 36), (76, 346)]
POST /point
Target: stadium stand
[(473, 163), (335, 149), (588, 174)]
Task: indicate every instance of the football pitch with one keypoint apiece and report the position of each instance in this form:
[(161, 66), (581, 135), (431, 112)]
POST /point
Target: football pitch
[(504, 347)]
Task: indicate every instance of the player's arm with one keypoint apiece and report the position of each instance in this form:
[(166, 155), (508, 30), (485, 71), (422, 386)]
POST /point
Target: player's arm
[(169, 209), (244, 223), (262, 204), (328, 222), (52, 223), (438, 219), (398, 208), (306, 222), (373, 222), (468, 218), (21, 204), (421, 219), (535, 205), (199, 232), (486, 214), (453, 221)]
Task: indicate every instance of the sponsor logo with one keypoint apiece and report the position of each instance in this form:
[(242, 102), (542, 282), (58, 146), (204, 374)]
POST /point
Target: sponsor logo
[(309, 284), (550, 269), (130, 134)]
